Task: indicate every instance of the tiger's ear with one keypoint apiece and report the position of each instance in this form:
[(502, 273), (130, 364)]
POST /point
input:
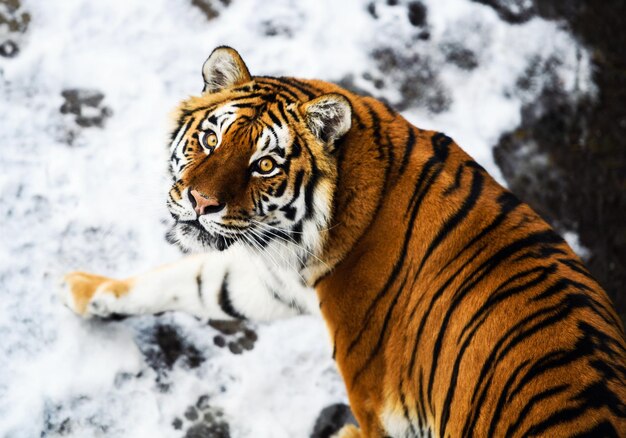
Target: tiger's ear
[(329, 116), (224, 68)]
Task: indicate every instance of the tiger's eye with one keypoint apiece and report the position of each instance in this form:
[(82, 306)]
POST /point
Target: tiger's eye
[(211, 139), (266, 165)]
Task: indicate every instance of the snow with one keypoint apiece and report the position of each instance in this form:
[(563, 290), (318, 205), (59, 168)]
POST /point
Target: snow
[(93, 199)]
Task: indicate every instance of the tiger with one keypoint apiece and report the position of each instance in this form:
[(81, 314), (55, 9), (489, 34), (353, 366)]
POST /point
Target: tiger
[(453, 309)]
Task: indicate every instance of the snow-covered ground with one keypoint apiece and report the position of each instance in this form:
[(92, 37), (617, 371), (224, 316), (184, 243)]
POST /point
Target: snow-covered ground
[(74, 195)]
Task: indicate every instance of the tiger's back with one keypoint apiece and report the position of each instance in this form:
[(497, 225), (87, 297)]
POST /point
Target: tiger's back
[(458, 311)]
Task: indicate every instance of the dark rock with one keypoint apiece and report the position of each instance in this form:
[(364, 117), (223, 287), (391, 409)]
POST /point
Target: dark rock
[(332, 419), (203, 402), (121, 378), (9, 49), (86, 106), (191, 413), (512, 11), (13, 17), (177, 424), (460, 56), (371, 8), (348, 83), (424, 36), (417, 82), (211, 8), (417, 13), (14, 22), (276, 28)]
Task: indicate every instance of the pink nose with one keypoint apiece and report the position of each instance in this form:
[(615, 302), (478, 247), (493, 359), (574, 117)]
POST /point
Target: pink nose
[(204, 204)]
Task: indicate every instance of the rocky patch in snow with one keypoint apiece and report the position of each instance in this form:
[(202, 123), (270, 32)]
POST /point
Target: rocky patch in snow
[(14, 21)]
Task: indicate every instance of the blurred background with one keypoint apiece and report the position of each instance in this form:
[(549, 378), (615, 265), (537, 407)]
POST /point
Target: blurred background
[(532, 89)]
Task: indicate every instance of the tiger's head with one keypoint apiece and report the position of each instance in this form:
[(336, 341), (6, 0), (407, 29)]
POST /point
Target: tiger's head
[(253, 160)]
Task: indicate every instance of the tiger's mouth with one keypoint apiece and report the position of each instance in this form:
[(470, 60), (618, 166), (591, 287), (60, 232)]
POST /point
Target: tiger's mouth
[(190, 235), (193, 236)]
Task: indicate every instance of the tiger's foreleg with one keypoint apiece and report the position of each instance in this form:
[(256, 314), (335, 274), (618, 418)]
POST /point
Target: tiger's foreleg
[(208, 286)]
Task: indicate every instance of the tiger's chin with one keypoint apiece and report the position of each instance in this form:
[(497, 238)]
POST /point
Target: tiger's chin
[(193, 239)]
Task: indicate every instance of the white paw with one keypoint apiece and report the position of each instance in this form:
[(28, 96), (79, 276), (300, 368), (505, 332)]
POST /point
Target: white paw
[(101, 304), (90, 295)]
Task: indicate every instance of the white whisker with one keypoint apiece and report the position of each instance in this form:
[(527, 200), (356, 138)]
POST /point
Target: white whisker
[(282, 256), (293, 242)]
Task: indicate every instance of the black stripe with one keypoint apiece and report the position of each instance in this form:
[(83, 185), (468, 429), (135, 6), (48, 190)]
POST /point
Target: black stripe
[(199, 284), (297, 186), (561, 416), (225, 302), (281, 109), (281, 188), (457, 181), (457, 218), (278, 151), (420, 407), (311, 185), (532, 402), (408, 149), (296, 149), (405, 408), (288, 303), (272, 131), (375, 129), (301, 87), (603, 429), (440, 144), (575, 265), (276, 83), (294, 114), (334, 339), (266, 145), (275, 119)]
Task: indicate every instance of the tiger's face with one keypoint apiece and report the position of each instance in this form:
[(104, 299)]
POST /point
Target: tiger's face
[(251, 163)]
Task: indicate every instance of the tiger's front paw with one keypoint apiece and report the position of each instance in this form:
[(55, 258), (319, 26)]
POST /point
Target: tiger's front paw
[(91, 295)]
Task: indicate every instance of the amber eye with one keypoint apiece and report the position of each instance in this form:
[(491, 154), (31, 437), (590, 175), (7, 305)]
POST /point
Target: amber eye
[(265, 165), (210, 139)]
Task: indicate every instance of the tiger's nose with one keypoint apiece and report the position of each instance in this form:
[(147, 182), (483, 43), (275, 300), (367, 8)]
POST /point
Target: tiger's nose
[(204, 204)]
